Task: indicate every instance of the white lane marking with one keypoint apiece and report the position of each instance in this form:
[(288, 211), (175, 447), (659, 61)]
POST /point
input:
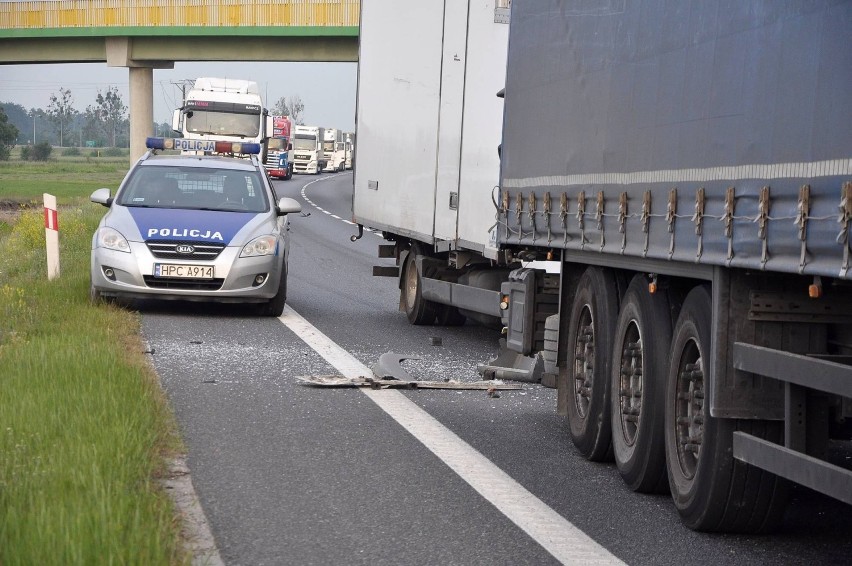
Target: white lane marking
[(304, 194), (558, 536)]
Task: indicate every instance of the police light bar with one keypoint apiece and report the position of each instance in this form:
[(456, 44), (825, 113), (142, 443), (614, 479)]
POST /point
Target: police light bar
[(207, 146)]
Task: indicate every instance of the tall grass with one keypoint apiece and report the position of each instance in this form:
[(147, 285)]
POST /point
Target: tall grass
[(84, 427)]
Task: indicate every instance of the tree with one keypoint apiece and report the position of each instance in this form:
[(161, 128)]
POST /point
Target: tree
[(93, 127), (60, 112), (41, 133), (292, 107), (20, 118), (109, 112), (8, 135)]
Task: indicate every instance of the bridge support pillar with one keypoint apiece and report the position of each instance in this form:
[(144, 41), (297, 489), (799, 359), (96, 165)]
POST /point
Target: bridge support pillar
[(119, 53), (141, 109)]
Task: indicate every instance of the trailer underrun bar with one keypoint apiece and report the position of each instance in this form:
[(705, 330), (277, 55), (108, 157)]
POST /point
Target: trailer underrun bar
[(799, 373)]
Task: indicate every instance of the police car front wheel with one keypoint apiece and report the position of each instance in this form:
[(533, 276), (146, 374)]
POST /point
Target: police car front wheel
[(275, 306)]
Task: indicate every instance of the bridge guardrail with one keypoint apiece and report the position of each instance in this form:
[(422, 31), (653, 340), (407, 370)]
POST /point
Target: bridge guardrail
[(65, 14)]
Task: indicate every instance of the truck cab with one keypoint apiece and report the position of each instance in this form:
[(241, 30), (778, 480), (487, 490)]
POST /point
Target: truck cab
[(308, 156), (224, 110), (279, 159)]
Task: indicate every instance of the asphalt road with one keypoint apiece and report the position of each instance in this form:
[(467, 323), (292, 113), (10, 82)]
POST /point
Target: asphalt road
[(290, 474)]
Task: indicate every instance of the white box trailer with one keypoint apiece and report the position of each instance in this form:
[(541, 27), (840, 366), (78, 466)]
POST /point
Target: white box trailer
[(429, 121)]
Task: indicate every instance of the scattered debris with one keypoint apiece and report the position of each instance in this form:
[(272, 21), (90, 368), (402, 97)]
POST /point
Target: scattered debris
[(331, 380), (490, 386), (389, 366), (388, 374)]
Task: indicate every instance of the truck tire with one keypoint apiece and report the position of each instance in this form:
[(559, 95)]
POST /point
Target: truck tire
[(711, 490), (639, 367), (418, 310), (589, 344), (275, 306)]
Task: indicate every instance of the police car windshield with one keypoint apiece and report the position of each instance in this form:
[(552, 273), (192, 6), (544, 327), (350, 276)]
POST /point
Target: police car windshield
[(153, 186)]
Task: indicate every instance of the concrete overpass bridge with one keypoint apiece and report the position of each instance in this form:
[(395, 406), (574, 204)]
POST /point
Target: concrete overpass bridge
[(143, 35)]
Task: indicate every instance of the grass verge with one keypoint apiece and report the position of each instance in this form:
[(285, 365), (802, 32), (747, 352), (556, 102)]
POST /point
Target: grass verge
[(84, 426), (65, 178)]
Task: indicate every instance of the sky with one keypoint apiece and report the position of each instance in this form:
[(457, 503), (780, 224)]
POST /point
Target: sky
[(326, 89)]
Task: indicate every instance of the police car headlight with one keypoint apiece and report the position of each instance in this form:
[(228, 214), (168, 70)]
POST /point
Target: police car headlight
[(264, 245), (113, 240)]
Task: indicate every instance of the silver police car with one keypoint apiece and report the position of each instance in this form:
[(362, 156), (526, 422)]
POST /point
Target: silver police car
[(194, 227)]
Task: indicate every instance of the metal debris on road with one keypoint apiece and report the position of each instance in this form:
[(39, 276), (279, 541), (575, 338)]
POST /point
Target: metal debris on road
[(390, 383)]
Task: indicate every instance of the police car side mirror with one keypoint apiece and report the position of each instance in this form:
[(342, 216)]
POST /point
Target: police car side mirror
[(287, 205), (102, 196)]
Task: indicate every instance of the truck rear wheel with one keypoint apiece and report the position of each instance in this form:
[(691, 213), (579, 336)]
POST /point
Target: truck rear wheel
[(418, 310), (711, 490), (589, 344), (639, 367)]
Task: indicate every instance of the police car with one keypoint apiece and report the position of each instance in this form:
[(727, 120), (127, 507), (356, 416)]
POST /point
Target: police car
[(194, 227)]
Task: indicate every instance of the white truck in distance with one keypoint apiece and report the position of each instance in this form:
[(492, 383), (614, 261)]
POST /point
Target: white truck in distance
[(334, 149), (308, 156), (349, 141), (225, 110)]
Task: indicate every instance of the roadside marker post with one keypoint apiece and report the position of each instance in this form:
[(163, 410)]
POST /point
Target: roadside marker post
[(51, 236)]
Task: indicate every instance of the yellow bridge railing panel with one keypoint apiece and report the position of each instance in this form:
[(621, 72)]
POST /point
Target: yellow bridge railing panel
[(178, 13)]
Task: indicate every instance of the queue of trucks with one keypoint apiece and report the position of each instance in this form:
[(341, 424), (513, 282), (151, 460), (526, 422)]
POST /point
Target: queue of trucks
[(319, 149), (689, 174), (233, 110)]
